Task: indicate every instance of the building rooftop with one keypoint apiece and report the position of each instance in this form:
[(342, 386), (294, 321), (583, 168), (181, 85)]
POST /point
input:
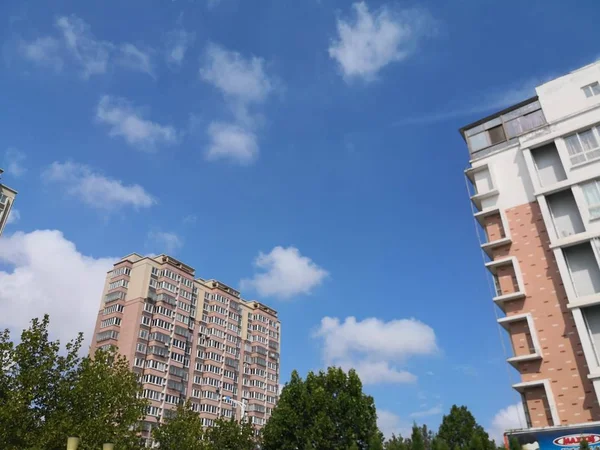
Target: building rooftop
[(485, 119)]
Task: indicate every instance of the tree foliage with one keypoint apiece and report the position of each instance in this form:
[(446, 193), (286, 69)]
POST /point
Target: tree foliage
[(584, 444), (460, 430), (326, 411), (49, 394), (185, 431), (513, 443), (227, 434), (416, 438)]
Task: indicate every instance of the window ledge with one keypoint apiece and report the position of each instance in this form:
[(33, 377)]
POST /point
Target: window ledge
[(583, 164)]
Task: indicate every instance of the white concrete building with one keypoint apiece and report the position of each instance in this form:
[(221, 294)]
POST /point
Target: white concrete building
[(7, 198), (535, 173)]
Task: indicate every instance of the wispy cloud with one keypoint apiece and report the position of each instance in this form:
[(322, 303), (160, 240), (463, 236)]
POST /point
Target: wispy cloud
[(91, 54), (244, 84), (75, 44), (14, 162), (467, 369), (127, 122), (178, 43), (376, 39), (97, 190), (165, 242), (488, 102), (435, 411), (136, 59), (13, 217), (44, 51)]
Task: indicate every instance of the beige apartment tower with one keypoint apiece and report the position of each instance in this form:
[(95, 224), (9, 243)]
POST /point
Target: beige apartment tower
[(7, 198), (535, 178), (190, 338)]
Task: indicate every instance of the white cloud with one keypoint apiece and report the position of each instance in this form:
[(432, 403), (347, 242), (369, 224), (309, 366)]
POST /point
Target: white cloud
[(14, 162), (434, 411), (133, 58), (13, 217), (233, 142), (377, 372), (165, 242), (95, 189), (76, 43), (126, 121), (91, 54), (178, 42), (371, 346), (44, 51), (390, 423), (510, 418), (47, 274), (286, 273), (374, 40), (243, 83), (241, 79)]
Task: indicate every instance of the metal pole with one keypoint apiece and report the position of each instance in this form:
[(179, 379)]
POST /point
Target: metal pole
[(72, 443)]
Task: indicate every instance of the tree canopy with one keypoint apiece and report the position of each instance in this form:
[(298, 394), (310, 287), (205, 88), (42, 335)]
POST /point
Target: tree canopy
[(185, 432), (326, 411), (460, 430), (48, 393)]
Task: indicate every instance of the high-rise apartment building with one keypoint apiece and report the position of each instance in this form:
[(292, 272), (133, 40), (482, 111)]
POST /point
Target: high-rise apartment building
[(535, 178), (190, 338), (7, 198)]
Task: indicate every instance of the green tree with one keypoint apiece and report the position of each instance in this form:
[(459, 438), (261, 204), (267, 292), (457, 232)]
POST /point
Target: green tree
[(376, 441), (396, 443), (513, 443), (438, 443), (183, 431), (49, 394), (428, 436), (416, 438), (327, 411), (584, 444), (459, 427), (230, 435)]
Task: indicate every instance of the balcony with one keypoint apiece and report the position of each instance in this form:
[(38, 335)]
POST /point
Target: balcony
[(584, 270), (565, 214), (548, 165), (492, 223), (486, 194), (507, 283), (539, 403), (523, 337)]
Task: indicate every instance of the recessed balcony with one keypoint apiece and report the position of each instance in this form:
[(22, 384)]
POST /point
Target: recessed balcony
[(488, 247), (524, 341), (483, 183), (480, 200)]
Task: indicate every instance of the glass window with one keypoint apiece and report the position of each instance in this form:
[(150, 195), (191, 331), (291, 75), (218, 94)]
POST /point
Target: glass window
[(583, 146), (479, 141), (497, 135), (591, 191), (591, 89)]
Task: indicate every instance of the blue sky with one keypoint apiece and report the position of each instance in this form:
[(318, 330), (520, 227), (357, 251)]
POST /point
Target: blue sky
[(306, 151)]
